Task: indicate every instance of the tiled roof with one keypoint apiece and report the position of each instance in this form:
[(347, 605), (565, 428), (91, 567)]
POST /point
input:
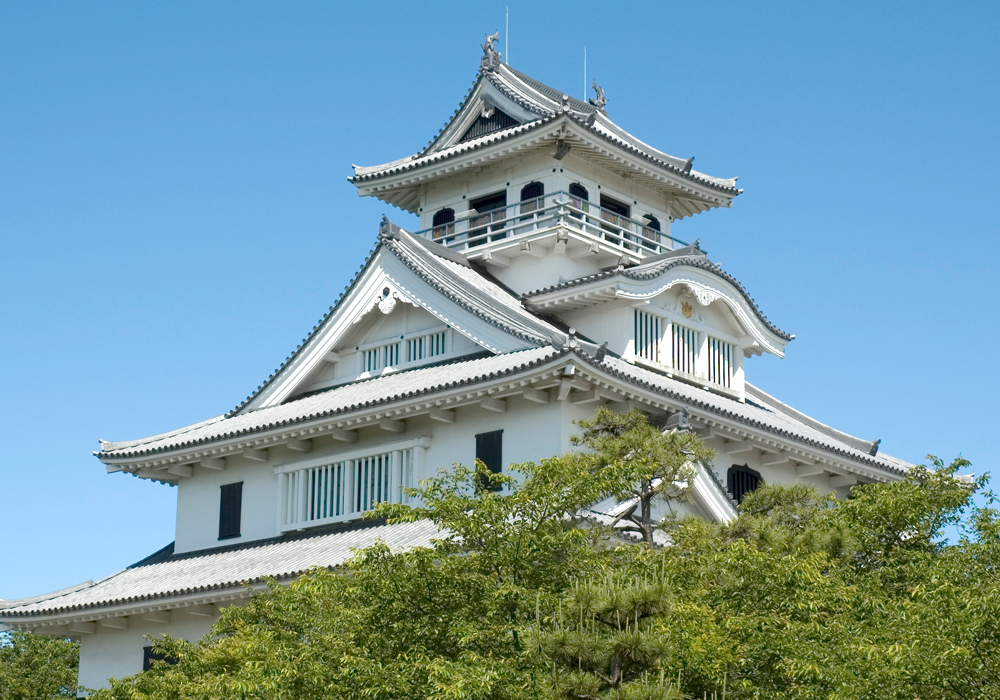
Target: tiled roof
[(447, 271), (546, 102), (655, 266), (769, 415), (228, 567), (342, 399)]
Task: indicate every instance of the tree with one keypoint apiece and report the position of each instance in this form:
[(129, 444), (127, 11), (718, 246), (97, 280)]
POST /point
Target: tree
[(644, 463), (801, 597), (33, 667)]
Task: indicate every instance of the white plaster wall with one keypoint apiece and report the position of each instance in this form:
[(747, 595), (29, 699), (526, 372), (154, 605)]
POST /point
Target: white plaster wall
[(532, 431), (113, 653)]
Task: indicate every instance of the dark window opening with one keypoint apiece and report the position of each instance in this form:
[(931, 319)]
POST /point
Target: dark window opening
[(489, 451), (651, 231), (490, 210), (614, 218), (578, 198), (148, 657), (532, 197), (742, 480), (444, 223), (230, 510), (487, 125)]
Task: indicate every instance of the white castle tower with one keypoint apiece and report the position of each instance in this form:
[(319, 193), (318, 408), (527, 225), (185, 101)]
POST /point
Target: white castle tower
[(546, 280)]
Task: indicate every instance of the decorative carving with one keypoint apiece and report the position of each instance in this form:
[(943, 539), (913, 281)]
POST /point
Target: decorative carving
[(686, 310), (600, 101), (491, 57), (388, 302), (487, 111), (704, 296)]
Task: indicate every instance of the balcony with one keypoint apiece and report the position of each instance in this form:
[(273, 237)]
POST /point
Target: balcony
[(558, 216)]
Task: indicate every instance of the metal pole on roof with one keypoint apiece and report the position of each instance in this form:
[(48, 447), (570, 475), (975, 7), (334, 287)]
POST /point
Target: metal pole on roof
[(506, 35), (584, 73)]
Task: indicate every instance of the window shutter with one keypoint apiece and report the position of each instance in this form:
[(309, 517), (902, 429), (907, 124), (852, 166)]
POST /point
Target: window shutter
[(742, 480), (230, 508), (148, 657), (489, 450)]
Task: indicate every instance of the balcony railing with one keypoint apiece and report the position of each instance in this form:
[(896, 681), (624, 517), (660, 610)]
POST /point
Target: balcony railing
[(558, 209)]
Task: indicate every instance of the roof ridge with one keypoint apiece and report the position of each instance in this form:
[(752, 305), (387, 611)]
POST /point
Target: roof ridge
[(780, 405), (639, 272), (702, 405)]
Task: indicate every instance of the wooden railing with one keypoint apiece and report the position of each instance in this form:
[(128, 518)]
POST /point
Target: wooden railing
[(547, 212)]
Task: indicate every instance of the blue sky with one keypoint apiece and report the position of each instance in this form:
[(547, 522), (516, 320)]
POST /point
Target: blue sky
[(174, 213)]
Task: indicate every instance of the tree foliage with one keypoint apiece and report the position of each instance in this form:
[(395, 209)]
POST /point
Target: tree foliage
[(33, 667), (801, 597)]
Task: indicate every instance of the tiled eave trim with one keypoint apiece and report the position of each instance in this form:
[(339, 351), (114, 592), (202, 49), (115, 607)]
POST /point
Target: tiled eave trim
[(326, 317), (183, 449), (704, 407), (492, 139), (537, 338), (642, 276), (454, 115), (140, 605), (406, 258), (455, 151)]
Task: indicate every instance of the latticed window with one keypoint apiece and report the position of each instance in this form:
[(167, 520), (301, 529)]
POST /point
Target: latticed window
[(720, 362), (683, 348), (741, 481), (647, 336), (346, 488), (425, 346), (380, 357)]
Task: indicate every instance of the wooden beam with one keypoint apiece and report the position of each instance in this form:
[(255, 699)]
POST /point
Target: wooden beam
[(495, 405), (442, 415), (840, 481), (586, 397), (180, 470), (299, 445), (117, 623), (393, 426), (496, 260), (161, 616), (206, 610), (59, 631), (774, 460), (738, 448), (255, 454), (810, 470), (331, 357), (344, 435), (217, 463), (565, 386), (525, 247), (536, 395), (83, 627)]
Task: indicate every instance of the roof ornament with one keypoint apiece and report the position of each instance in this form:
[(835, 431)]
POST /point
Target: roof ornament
[(687, 165), (679, 421), (491, 57), (600, 101)]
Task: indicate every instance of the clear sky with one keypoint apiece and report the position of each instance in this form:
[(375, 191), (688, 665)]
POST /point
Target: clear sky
[(174, 213)]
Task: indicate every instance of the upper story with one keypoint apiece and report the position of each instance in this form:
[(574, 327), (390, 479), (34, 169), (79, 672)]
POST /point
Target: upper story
[(542, 187), (545, 282)]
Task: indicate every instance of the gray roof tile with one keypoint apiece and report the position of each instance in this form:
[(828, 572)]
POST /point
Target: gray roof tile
[(228, 567)]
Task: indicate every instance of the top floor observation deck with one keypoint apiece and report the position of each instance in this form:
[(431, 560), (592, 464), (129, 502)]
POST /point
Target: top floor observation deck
[(560, 223)]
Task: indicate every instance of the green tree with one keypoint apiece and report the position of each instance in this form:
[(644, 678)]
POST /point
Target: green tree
[(33, 667), (642, 463)]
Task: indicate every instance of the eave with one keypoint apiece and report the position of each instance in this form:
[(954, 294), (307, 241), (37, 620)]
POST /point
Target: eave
[(692, 192)]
